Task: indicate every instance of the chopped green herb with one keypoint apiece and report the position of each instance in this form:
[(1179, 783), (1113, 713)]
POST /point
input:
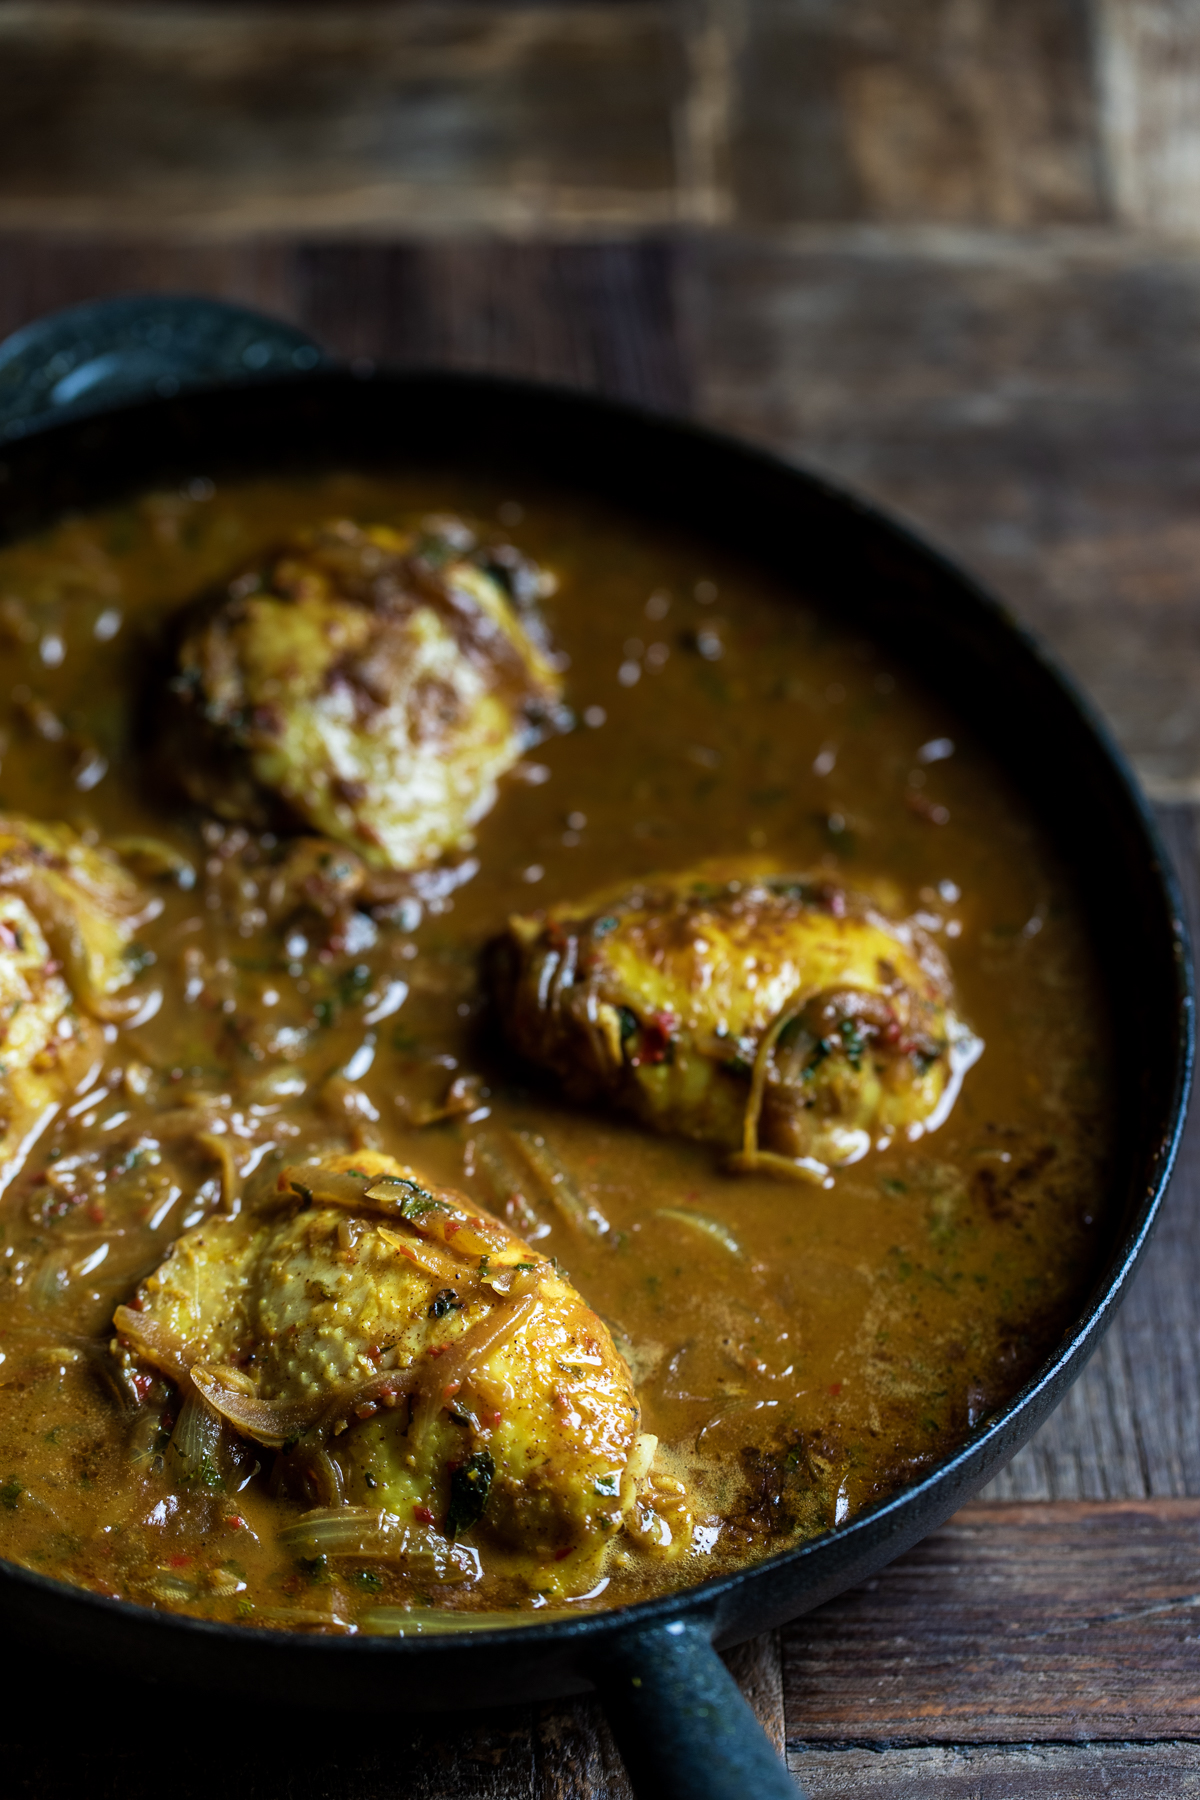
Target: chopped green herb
[(10, 1494), (354, 984), (470, 1485), (852, 1042), (414, 1201)]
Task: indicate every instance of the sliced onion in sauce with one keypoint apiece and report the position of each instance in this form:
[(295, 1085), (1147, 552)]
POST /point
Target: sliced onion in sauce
[(153, 1341), (263, 1420), (195, 1446), (702, 1223), (362, 1533), (427, 1621)]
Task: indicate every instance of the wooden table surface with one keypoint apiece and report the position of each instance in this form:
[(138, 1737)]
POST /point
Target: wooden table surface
[(1036, 407)]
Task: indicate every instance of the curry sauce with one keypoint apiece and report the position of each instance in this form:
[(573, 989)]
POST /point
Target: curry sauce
[(798, 1349)]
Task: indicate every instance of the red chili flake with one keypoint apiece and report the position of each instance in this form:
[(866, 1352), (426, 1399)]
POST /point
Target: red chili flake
[(836, 1388), (236, 1522), (96, 1212), (565, 1551), (451, 1388), (439, 1350), (179, 1560), (656, 1039), (142, 1383), (490, 1419), (423, 1514), (452, 1226)]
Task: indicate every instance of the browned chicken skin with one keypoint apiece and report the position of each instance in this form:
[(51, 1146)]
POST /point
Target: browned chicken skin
[(783, 1017), (370, 684), (421, 1372)]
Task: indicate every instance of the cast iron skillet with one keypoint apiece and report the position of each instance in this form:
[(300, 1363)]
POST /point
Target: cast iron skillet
[(112, 398)]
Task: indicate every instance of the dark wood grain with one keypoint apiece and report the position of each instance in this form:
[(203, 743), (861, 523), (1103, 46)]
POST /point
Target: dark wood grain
[(1154, 1771), (504, 115), (241, 118), (41, 272), (1147, 64), (1043, 1623), (916, 109), (602, 316)]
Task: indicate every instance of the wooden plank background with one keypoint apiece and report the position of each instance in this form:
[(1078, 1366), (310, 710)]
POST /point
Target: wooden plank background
[(564, 117), (948, 250)]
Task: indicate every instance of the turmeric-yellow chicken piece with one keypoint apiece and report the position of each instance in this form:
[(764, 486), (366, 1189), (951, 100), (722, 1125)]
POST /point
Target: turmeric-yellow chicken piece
[(68, 912), (785, 1018), (369, 684), (415, 1359)]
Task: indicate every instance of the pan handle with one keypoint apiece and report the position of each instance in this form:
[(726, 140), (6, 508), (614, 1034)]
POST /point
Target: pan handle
[(137, 347), (680, 1720)]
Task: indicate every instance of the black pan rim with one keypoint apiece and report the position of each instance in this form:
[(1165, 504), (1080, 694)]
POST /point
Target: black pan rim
[(892, 1523)]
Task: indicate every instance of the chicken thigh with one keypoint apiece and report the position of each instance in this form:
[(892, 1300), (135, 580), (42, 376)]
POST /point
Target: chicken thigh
[(423, 1374), (68, 914), (784, 1018), (367, 684)]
